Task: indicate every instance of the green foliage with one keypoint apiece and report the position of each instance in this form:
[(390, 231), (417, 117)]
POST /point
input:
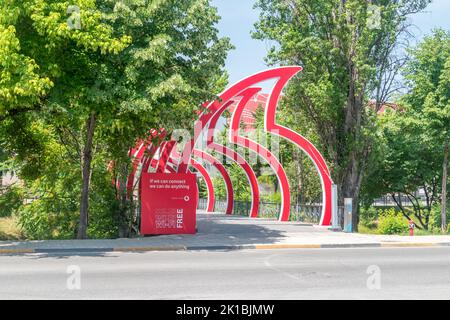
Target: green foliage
[(11, 198), (202, 189), (346, 61), (105, 216), (367, 229), (20, 84), (368, 217), (220, 191), (52, 192), (9, 229), (272, 197), (132, 65), (428, 79), (392, 222), (303, 176), (35, 38), (49, 218), (410, 140), (240, 184), (57, 218)]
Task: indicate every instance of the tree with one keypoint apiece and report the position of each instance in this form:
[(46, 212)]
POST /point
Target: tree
[(412, 148), (427, 100), (129, 67), (21, 85), (65, 59), (348, 50), (33, 33), (173, 65), (408, 158)]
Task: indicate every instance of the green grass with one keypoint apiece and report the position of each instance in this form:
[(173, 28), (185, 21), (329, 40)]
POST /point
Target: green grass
[(366, 230), (10, 230), (417, 232)]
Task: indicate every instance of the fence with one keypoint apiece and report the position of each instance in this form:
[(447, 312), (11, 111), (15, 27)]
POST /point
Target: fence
[(388, 201), (299, 212), (202, 203)]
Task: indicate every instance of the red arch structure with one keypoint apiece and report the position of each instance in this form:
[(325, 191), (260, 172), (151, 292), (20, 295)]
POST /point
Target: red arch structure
[(242, 91), (225, 176), (270, 125), (243, 141), (207, 178), (143, 157), (282, 75), (237, 158), (209, 184)]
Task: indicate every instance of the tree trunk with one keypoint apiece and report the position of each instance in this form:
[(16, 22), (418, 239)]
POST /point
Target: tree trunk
[(299, 163), (124, 213), (444, 189), (351, 175), (86, 175), (350, 189)]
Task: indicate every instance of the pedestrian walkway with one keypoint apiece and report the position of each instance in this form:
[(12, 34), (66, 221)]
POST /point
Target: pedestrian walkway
[(221, 232)]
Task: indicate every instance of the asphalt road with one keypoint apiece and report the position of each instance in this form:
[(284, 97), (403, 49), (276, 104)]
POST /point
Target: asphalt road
[(369, 273)]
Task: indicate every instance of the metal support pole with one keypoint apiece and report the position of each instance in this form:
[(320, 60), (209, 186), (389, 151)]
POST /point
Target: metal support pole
[(334, 207)]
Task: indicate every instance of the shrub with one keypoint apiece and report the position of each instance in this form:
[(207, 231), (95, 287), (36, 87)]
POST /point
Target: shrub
[(56, 215), (372, 229), (368, 217), (272, 197), (11, 198), (48, 219), (392, 222), (9, 229), (57, 218), (104, 220)]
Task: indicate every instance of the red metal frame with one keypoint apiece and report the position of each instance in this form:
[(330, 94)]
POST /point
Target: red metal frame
[(243, 141), (237, 158), (225, 176), (244, 90), (282, 76)]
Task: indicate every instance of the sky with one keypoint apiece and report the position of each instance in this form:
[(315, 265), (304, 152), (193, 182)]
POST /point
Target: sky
[(238, 17)]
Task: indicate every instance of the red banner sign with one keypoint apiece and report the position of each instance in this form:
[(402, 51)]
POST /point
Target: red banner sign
[(168, 203)]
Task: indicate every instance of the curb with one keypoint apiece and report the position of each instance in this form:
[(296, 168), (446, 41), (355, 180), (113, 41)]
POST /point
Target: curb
[(144, 249), (227, 247), (13, 251)]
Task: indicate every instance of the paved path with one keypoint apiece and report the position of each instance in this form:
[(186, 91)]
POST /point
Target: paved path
[(406, 273), (217, 231)]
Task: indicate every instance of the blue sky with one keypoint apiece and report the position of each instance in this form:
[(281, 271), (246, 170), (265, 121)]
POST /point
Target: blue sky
[(238, 17)]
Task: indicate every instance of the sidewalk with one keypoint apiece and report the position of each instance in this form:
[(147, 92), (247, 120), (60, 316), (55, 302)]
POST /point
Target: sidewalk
[(220, 232)]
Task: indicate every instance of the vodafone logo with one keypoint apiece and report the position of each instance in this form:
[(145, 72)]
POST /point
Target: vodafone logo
[(186, 198)]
